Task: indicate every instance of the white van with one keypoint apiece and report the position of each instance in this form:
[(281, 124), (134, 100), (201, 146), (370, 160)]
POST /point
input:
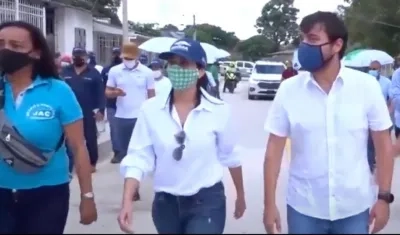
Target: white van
[(265, 79), (245, 67)]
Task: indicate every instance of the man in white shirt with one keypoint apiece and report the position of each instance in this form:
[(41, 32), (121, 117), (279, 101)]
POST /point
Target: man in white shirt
[(132, 83), (327, 113), (162, 84)]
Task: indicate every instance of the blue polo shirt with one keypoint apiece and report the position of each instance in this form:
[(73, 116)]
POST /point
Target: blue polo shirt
[(39, 113)]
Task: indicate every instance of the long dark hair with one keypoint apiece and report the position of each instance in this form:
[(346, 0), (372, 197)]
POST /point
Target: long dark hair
[(45, 66), (202, 82)]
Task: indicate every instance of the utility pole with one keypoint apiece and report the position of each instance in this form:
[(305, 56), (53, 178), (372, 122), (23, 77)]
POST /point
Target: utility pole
[(125, 32), (195, 28)]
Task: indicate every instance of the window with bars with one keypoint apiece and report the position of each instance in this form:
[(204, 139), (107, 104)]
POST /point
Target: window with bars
[(80, 37)]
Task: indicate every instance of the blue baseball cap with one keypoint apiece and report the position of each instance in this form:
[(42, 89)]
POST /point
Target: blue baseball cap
[(155, 62), (79, 51), (188, 49), (116, 50)]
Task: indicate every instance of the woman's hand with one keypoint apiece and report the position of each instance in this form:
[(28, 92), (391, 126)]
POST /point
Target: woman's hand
[(125, 218), (240, 207), (88, 211)]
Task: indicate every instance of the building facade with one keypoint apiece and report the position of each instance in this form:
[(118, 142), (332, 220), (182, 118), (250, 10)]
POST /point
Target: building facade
[(67, 27)]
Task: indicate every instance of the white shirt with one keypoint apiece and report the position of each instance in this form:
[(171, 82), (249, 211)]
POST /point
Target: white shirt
[(329, 173), (99, 68), (135, 83), (209, 146), (163, 86)]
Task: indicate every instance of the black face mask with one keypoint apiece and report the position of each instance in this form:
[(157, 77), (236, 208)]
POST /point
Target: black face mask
[(78, 61), (12, 61)]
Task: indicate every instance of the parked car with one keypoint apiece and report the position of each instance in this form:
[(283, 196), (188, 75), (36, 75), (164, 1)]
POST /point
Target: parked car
[(265, 79), (245, 68)]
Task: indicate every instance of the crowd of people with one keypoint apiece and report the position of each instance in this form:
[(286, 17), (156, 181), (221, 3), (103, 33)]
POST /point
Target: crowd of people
[(173, 125)]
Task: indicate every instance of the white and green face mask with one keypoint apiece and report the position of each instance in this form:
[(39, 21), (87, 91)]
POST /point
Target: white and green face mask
[(182, 78)]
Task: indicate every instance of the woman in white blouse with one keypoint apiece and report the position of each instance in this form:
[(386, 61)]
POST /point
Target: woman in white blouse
[(186, 139)]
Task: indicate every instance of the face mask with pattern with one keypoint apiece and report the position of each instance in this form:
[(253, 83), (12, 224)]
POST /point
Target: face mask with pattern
[(182, 78)]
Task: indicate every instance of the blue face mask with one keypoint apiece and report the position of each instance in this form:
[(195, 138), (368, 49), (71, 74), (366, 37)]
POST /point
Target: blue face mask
[(310, 56), (374, 73)]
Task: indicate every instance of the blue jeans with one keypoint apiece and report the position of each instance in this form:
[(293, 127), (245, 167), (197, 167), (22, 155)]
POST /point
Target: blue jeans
[(303, 224), (202, 213), (124, 131), (113, 129), (42, 210)]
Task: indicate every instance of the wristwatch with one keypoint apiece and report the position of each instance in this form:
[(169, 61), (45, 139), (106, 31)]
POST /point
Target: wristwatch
[(386, 197), (88, 195)]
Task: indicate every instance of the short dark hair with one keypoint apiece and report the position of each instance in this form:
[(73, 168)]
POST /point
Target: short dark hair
[(334, 27), (45, 67)]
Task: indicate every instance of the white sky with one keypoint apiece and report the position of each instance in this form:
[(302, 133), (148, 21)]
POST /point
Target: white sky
[(236, 16)]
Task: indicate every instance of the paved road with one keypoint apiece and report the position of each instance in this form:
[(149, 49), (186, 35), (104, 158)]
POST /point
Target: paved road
[(250, 117)]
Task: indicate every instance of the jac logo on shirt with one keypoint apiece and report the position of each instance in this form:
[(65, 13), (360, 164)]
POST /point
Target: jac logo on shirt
[(41, 112)]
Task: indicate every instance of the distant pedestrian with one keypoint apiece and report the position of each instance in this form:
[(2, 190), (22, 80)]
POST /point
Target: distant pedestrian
[(111, 106), (131, 83), (162, 83), (87, 85), (289, 71), (385, 84)]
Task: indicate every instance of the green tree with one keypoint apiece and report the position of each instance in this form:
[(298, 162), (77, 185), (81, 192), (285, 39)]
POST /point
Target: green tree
[(255, 47), (147, 29), (373, 24), (170, 27), (278, 22), (214, 35)]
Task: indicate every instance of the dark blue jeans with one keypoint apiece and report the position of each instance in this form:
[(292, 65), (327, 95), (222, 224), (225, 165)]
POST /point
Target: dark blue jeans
[(41, 210), (90, 131), (202, 213), (124, 131), (303, 224), (113, 129)]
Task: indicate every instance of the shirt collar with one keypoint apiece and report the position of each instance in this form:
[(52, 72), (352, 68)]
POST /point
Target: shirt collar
[(309, 79), (205, 103)]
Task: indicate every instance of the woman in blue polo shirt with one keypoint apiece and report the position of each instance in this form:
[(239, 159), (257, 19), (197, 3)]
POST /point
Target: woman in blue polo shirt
[(38, 203)]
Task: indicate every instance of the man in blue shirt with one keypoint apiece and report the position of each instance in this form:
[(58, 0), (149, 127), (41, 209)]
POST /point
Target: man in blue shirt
[(111, 103), (385, 83), (395, 91), (87, 85)]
